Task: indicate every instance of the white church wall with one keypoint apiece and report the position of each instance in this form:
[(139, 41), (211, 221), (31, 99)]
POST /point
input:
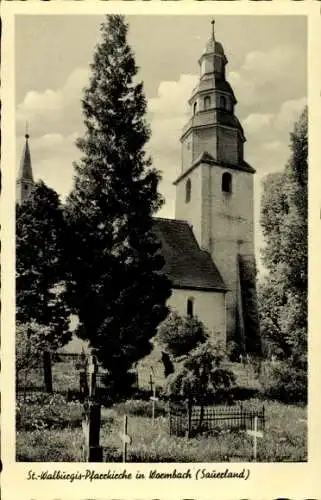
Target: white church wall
[(209, 307), (227, 227), (190, 211)]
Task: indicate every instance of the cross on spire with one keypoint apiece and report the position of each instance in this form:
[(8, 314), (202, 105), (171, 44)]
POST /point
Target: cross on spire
[(213, 33), (27, 130)]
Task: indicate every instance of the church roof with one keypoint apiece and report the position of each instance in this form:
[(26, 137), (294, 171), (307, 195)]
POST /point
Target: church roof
[(186, 265), (25, 170), (207, 158)]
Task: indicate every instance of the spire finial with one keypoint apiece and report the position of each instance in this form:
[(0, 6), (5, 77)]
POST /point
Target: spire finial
[(213, 33), (27, 130)]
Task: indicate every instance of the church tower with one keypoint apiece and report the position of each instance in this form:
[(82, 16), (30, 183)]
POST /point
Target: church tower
[(25, 182), (214, 191)]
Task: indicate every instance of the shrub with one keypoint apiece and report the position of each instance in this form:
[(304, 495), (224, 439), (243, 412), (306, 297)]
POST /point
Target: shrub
[(284, 383), (40, 412), (201, 377), (233, 350), (139, 408), (49, 446), (180, 335)]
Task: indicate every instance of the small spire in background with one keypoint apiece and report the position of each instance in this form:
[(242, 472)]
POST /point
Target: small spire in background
[(213, 32)]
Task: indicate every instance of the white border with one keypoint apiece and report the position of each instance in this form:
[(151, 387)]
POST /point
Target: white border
[(267, 481)]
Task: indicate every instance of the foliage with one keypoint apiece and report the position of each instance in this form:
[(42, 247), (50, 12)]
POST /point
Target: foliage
[(115, 285), (140, 408), (201, 376), (30, 342), (233, 350), (40, 265), (49, 445), (252, 341), (283, 292), (39, 412), (179, 335), (285, 383)]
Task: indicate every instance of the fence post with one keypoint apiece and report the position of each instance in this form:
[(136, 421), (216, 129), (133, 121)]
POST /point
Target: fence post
[(92, 451), (47, 370), (242, 416), (189, 417), (255, 439)]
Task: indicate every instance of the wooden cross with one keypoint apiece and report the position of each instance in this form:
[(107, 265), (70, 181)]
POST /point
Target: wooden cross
[(153, 399), (126, 439), (92, 370), (92, 451), (255, 434), (151, 381)]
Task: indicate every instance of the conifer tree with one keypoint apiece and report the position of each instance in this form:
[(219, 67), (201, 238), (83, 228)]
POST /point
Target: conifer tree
[(40, 269), (115, 284)]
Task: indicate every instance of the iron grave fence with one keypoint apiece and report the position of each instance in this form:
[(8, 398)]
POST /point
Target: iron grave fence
[(188, 419)]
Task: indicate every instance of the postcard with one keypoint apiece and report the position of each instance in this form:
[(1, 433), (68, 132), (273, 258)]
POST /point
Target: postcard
[(160, 250)]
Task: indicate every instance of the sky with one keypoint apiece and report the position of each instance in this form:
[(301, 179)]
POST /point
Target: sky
[(267, 70)]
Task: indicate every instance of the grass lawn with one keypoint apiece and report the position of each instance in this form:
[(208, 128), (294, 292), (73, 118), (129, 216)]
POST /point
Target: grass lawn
[(284, 439), (52, 431)]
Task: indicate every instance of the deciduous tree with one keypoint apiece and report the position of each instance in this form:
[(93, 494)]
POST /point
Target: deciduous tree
[(283, 293), (40, 269)]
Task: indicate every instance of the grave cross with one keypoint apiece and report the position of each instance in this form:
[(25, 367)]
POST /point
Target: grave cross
[(255, 434), (92, 372), (92, 451), (151, 381), (126, 439), (153, 399)]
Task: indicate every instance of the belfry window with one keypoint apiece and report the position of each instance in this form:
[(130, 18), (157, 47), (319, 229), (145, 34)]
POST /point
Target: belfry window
[(226, 182), (190, 307), (207, 102), (223, 102), (188, 191), (194, 108)]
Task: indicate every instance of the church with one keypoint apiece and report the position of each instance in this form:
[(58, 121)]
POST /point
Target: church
[(209, 247)]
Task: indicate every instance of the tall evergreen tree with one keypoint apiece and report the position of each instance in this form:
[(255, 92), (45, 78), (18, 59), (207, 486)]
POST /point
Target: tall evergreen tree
[(40, 269), (115, 285), (285, 227)]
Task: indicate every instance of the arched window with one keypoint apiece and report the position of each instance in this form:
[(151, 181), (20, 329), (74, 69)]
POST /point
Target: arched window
[(190, 307), (207, 102), (226, 182), (194, 107), (188, 191), (222, 102)]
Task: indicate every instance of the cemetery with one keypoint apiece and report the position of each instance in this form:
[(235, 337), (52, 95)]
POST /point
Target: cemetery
[(66, 426)]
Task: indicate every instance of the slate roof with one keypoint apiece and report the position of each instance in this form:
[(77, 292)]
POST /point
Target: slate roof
[(25, 170), (186, 265)]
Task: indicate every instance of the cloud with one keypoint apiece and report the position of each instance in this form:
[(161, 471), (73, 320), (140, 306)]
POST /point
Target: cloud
[(268, 77), (255, 122), (172, 96), (44, 110), (168, 112), (289, 113), (39, 104)]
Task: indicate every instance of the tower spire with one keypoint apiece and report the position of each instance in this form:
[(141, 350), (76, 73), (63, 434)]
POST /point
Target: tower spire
[(213, 29), (25, 180)]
